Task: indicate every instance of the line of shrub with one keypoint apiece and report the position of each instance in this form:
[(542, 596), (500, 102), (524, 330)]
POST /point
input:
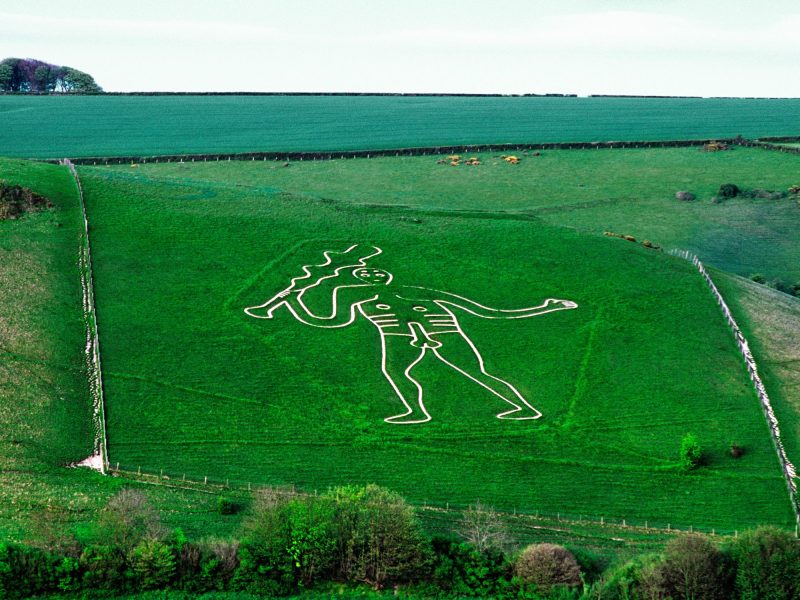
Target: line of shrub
[(370, 536)]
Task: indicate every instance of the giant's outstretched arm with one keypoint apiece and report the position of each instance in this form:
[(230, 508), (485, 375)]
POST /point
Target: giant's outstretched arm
[(293, 301), (486, 312)]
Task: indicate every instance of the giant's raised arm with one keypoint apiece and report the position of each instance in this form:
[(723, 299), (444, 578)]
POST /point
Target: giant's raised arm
[(486, 312)]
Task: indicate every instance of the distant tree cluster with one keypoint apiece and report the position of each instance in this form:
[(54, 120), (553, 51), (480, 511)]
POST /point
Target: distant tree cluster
[(28, 75)]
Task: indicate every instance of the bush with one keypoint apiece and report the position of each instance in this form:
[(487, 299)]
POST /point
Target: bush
[(153, 564), (103, 568), (379, 539), (684, 196), (758, 278), (287, 541), (728, 190), (693, 569), (547, 566), (767, 562), (460, 570), (226, 506), (638, 578), (781, 286), (691, 453), (736, 450)]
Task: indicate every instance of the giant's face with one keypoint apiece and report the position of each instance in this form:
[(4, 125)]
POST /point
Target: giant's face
[(372, 276)]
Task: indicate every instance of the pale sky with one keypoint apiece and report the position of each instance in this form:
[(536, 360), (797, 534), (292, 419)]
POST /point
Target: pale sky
[(661, 47)]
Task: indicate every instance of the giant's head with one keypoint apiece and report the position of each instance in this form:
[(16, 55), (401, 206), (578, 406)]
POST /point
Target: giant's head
[(372, 276)]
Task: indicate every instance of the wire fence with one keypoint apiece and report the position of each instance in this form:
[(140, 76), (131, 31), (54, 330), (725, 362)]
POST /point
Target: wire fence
[(450, 510), (788, 469)]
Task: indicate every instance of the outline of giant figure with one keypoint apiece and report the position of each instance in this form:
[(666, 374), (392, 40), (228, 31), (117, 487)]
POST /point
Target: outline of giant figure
[(413, 322)]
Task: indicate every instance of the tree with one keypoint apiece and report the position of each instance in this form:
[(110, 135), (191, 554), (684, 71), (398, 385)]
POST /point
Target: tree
[(547, 566), (482, 527), (153, 564), (78, 82), (127, 520), (694, 569), (379, 539), (691, 452), (462, 571), (50, 531), (6, 77), (767, 562), (31, 75)]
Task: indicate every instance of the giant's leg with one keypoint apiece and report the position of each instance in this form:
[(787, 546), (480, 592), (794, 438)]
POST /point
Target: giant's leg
[(398, 358), (458, 352)]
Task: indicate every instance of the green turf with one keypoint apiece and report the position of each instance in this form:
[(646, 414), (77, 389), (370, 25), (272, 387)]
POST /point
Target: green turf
[(626, 191), (195, 387), (56, 126), (45, 409), (771, 322), (45, 413)]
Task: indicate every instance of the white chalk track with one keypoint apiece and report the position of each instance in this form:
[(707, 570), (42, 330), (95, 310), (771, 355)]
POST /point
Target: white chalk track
[(413, 322)]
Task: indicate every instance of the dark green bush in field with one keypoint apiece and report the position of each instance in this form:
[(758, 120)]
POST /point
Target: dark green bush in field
[(767, 562), (691, 453), (226, 506), (782, 286), (758, 278), (737, 451), (728, 190)]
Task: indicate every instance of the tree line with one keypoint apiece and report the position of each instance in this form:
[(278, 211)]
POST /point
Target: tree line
[(28, 75), (367, 535)]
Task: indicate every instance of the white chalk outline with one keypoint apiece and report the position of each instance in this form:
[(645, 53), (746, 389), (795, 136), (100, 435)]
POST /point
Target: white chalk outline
[(445, 322)]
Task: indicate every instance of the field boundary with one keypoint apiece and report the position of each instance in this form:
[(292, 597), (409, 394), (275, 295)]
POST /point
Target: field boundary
[(788, 469), (388, 152), (99, 458)]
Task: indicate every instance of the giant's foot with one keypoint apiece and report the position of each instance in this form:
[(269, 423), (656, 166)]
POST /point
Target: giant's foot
[(520, 414), (409, 418)]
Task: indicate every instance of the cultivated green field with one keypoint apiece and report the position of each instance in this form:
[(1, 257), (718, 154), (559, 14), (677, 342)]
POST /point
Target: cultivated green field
[(195, 386), (57, 126)]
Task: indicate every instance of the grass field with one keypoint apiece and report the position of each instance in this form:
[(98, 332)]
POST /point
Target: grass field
[(45, 409), (627, 191), (55, 126), (41, 335), (196, 387), (771, 321)]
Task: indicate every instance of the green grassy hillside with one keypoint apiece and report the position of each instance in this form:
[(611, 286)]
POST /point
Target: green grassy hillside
[(196, 387), (771, 322), (57, 126), (627, 191), (45, 409), (45, 413)]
